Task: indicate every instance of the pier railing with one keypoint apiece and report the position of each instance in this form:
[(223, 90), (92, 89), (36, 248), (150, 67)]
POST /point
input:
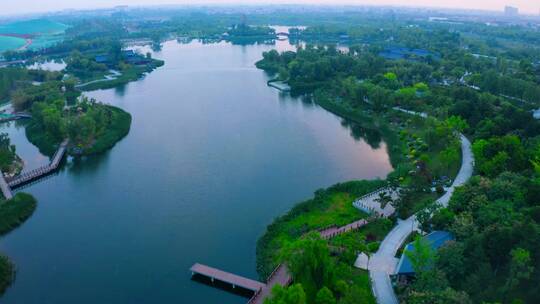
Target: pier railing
[(41, 171)]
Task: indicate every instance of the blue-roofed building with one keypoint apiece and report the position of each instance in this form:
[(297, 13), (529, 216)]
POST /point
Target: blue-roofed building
[(397, 53), (436, 239), (102, 59), (128, 53)]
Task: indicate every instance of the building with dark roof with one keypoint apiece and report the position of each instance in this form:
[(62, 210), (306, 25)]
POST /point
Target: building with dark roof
[(436, 239), (102, 59)]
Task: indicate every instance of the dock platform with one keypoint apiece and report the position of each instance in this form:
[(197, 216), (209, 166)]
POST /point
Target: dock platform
[(226, 277)]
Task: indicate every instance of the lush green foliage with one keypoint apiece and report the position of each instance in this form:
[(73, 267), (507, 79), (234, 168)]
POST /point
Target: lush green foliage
[(15, 211), (287, 295), (91, 127), (496, 222), (7, 273), (7, 153), (332, 206), (322, 277)]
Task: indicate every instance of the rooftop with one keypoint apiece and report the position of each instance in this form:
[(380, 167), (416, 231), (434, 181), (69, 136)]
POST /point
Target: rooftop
[(436, 239)]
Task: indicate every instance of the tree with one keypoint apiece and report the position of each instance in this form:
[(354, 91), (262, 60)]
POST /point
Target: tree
[(384, 199), (355, 295), (287, 295), (451, 260), (520, 267), (449, 156), (457, 123), (7, 152), (325, 296), (499, 154), (422, 256), (310, 263)]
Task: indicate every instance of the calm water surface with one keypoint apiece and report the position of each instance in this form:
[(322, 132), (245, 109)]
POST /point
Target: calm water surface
[(212, 157)]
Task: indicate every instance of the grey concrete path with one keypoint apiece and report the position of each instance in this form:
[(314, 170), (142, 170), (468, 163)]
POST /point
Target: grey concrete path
[(383, 263)]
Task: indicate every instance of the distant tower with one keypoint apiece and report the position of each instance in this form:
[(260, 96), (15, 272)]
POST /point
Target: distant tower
[(511, 11)]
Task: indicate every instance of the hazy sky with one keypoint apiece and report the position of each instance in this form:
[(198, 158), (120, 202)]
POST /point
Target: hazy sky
[(29, 6)]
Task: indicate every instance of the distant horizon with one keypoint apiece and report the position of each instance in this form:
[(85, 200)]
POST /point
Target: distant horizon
[(24, 7)]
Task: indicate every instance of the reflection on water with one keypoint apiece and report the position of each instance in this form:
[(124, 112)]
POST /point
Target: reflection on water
[(213, 155), (29, 153)]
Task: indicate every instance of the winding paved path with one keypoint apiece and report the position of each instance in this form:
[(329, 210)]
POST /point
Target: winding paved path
[(383, 263)]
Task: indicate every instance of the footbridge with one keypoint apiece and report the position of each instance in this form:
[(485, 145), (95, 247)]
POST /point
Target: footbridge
[(7, 184)]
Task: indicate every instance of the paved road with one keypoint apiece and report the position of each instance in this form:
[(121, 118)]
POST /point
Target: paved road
[(114, 75), (383, 263)]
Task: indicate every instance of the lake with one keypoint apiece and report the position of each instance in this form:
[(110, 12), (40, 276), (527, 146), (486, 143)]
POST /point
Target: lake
[(213, 155)]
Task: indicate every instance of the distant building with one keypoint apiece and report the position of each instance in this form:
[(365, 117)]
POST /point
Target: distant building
[(511, 11)]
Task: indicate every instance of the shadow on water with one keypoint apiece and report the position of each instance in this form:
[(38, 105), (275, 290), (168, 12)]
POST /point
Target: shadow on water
[(222, 286), (373, 137), (88, 164), (120, 90)]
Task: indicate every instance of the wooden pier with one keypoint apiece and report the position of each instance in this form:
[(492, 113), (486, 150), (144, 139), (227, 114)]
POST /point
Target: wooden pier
[(280, 275), (226, 277)]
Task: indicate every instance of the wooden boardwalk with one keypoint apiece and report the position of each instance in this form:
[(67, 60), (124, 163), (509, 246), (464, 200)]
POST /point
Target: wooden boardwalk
[(279, 276), (226, 277), (41, 171), (6, 190), (7, 184), (333, 231)]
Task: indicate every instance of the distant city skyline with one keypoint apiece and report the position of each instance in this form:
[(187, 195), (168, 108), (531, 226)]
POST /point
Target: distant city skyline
[(29, 6)]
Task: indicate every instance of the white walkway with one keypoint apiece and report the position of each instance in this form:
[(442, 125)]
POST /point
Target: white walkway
[(368, 203), (383, 263)]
